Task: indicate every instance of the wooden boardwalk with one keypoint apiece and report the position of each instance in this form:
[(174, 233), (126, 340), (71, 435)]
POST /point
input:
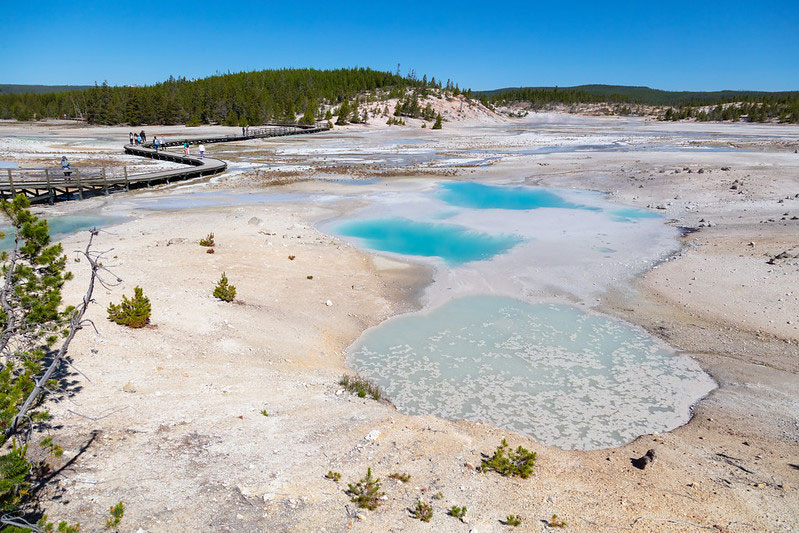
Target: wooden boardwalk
[(50, 185)]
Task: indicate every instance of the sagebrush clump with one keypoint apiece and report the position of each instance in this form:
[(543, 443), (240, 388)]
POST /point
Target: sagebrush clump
[(361, 387), (513, 520), (422, 511), (514, 463), (556, 522), (208, 241), (224, 291), (335, 476), (366, 493), (117, 512), (457, 512), (403, 477), (134, 312)]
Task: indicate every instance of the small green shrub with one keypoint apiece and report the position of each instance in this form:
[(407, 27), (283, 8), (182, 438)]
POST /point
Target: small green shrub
[(513, 520), (457, 512), (335, 476), (117, 512), (264, 412), (422, 511), (366, 493), (438, 496), (514, 463), (223, 290), (54, 449), (556, 522), (400, 477), (360, 386), (208, 241), (134, 313)]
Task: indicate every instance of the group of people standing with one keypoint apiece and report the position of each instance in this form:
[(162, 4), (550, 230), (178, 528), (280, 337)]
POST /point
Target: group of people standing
[(187, 149), (141, 138), (137, 138)]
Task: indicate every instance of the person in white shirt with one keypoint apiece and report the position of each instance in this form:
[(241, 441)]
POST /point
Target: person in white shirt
[(202, 151)]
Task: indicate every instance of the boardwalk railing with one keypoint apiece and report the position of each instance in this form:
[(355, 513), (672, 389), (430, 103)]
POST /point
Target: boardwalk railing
[(51, 184)]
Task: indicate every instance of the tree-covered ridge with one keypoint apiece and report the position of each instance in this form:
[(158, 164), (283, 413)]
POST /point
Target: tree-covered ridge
[(755, 106), (232, 99)]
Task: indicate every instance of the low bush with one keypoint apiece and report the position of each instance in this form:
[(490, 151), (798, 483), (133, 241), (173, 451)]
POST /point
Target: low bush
[(117, 512), (513, 520), (208, 241), (457, 512), (366, 493), (518, 463), (556, 522), (422, 511), (335, 476), (400, 477), (134, 312), (224, 291)]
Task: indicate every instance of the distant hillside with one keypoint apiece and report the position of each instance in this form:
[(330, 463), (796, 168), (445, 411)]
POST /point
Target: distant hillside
[(232, 99), (39, 89), (638, 95), (751, 106)]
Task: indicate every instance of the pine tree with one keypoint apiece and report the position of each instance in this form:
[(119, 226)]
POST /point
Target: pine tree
[(437, 125), (343, 114)]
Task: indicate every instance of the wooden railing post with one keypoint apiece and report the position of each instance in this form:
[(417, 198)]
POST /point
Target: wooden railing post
[(11, 183), (49, 186), (105, 183), (80, 186), (127, 184)]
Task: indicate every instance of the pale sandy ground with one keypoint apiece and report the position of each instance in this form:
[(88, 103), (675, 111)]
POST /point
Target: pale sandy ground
[(170, 422)]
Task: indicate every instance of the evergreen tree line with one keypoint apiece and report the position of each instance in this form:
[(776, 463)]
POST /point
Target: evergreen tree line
[(729, 106), (231, 99), (781, 110)]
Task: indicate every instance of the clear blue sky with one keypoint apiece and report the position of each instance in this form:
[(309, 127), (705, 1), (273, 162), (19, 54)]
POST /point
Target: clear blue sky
[(697, 45)]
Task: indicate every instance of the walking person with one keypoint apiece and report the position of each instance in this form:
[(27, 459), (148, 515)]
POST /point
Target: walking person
[(138, 139), (143, 136), (65, 166), (155, 143), (186, 148), (130, 136), (202, 151)]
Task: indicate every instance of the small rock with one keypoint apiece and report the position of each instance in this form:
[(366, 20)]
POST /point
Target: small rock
[(176, 240), (129, 387), (360, 516), (328, 303), (646, 460), (255, 221), (467, 464), (372, 435)]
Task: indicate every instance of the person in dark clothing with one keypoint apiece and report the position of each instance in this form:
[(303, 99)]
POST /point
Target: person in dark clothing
[(242, 131), (143, 137), (130, 136)]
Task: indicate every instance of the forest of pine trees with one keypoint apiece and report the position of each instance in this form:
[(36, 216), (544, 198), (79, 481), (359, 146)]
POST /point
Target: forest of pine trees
[(230, 99), (726, 106)]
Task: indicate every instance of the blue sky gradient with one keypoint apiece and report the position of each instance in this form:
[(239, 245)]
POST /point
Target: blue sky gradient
[(482, 45)]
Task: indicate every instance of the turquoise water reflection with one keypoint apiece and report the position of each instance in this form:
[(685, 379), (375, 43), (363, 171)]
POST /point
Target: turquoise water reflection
[(454, 244), (479, 196)]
